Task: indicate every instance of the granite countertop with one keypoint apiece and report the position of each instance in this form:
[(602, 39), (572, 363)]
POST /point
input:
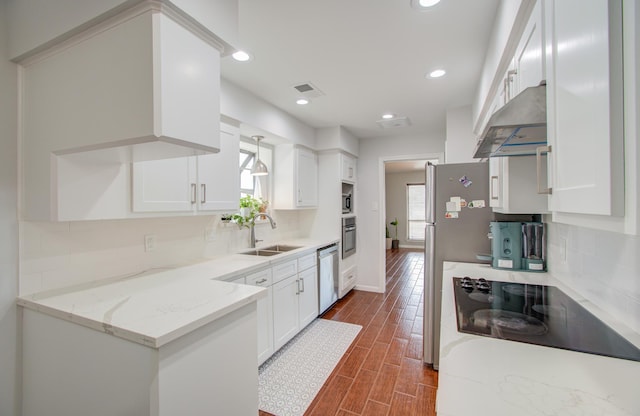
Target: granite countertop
[(160, 306), (488, 376)]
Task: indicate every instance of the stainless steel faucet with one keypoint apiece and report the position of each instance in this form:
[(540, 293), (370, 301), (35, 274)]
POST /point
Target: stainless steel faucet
[(253, 225)]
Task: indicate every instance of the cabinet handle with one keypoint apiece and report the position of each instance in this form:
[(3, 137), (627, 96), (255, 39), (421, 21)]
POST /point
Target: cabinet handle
[(297, 286), (302, 281), (261, 281), (193, 193), (539, 151), (203, 191), (508, 83), (350, 173), (494, 188)]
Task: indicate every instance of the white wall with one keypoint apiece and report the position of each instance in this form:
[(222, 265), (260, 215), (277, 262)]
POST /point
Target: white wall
[(9, 355), (242, 105), (396, 203), (602, 266), (55, 255), (370, 201), (461, 142)]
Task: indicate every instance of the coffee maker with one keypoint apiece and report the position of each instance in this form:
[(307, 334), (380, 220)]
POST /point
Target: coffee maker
[(517, 245)]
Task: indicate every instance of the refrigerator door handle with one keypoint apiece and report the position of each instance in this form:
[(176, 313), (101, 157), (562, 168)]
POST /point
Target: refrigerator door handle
[(429, 292), (430, 203)]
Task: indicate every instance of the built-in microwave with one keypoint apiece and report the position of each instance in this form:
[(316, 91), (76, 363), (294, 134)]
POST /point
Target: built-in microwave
[(346, 204)]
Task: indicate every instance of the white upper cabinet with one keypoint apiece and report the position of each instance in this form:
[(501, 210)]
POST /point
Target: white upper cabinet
[(138, 87), (295, 177), (348, 168), (528, 62), (146, 82), (202, 183), (584, 106), (513, 186)]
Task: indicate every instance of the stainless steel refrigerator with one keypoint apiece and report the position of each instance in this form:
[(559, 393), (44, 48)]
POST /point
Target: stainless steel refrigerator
[(456, 230)]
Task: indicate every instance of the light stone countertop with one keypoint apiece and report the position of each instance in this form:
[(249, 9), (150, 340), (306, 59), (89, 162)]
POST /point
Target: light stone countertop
[(487, 376), (158, 307)]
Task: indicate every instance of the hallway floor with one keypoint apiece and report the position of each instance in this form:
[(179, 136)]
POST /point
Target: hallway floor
[(382, 373)]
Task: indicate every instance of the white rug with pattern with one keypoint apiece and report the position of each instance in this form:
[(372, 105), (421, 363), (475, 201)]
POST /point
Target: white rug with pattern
[(291, 378)]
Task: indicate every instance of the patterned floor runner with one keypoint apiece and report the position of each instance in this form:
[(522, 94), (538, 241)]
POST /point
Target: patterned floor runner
[(291, 378)]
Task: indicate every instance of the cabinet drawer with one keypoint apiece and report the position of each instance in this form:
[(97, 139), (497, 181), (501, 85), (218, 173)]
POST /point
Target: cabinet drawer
[(261, 278), (307, 261), (284, 270)]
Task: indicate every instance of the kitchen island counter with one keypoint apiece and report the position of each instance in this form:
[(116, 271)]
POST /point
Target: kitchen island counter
[(165, 342), (479, 375), (162, 305)]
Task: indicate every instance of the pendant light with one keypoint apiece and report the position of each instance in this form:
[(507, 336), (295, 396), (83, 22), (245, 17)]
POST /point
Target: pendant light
[(259, 168)]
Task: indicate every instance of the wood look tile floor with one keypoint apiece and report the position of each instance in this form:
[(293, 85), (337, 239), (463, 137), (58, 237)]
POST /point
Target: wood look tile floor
[(382, 373)]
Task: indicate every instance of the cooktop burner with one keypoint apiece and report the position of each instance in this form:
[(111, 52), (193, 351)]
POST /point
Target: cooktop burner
[(534, 314)]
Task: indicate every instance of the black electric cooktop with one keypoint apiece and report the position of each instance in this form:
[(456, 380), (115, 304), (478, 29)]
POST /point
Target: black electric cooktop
[(535, 314)]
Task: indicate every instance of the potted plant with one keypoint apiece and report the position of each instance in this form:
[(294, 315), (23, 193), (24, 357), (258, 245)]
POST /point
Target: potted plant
[(387, 239), (249, 207), (395, 243)]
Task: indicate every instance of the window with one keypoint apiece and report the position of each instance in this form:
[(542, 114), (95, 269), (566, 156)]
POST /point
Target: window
[(247, 181), (258, 186), (415, 211)]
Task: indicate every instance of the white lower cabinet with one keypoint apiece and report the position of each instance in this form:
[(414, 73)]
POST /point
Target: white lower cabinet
[(291, 302), (263, 278), (295, 299), (285, 310)]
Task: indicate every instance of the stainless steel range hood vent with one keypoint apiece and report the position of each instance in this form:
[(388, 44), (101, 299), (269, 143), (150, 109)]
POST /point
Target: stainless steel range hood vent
[(517, 128)]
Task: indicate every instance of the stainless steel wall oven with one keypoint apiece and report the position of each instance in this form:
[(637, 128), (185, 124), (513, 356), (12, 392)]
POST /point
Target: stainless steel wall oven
[(348, 236)]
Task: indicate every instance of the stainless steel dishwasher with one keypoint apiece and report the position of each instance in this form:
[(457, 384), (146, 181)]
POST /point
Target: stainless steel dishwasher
[(327, 276)]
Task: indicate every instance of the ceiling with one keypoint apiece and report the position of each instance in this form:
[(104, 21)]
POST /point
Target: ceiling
[(368, 57)]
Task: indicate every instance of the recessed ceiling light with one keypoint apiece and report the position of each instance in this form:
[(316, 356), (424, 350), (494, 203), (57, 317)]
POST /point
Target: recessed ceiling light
[(302, 101), (241, 56), (423, 4), (388, 116), (437, 73)]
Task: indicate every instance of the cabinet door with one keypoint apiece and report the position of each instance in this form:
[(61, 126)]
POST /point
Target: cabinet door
[(189, 84), (584, 103), (167, 185), (529, 59), (348, 169), (513, 186), (307, 178), (308, 296), (495, 182), (265, 314), (285, 310), (219, 175)]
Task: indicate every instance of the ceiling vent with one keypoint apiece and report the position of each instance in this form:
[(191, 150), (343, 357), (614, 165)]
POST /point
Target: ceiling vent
[(391, 123), (308, 90)]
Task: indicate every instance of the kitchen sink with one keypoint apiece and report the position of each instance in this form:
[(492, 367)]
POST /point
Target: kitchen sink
[(270, 251), (261, 252), (280, 248)]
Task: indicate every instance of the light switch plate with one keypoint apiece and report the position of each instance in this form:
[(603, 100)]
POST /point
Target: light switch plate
[(149, 242)]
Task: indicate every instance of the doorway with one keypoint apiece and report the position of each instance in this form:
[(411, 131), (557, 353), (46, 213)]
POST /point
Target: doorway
[(400, 216)]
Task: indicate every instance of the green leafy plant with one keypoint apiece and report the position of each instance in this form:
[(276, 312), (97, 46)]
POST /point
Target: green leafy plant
[(387, 234), (395, 224), (254, 206)]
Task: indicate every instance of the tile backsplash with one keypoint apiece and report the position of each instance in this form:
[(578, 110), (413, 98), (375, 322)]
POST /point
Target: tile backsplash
[(602, 266), (56, 255)]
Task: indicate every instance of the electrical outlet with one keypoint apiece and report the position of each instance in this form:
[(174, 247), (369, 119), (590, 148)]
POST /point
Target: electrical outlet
[(149, 242)]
